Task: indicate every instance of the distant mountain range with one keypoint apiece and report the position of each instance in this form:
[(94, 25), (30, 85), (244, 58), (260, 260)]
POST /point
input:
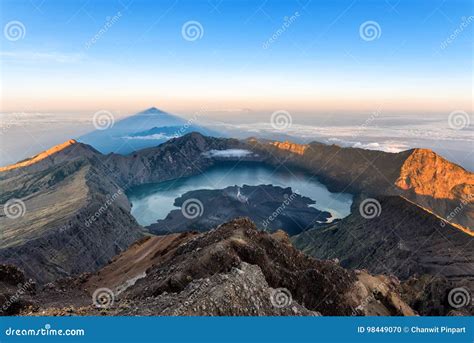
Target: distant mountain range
[(143, 130), (74, 203)]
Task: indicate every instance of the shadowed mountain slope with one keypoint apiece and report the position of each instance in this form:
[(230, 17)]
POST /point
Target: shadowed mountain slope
[(404, 240), (145, 129)]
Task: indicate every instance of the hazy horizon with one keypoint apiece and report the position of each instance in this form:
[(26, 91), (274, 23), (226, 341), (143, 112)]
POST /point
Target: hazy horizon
[(382, 130)]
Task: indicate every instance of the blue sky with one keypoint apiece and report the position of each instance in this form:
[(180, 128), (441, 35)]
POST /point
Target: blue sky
[(318, 62)]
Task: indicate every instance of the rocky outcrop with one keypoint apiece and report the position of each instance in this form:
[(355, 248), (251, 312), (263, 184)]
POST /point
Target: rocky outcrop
[(243, 291), (418, 174), (70, 216), (321, 286), (16, 292), (291, 147), (231, 270), (437, 184), (178, 157), (41, 156), (403, 240), (434, 295)]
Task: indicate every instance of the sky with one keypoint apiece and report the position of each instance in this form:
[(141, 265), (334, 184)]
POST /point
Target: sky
[(413, 56)]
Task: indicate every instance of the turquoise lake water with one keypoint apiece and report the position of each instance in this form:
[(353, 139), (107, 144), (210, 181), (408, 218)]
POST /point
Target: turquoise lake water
[(151, 202)]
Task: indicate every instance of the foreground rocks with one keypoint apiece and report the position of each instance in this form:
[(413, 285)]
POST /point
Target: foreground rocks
[(404, 240), (16, 292), (231, 270)]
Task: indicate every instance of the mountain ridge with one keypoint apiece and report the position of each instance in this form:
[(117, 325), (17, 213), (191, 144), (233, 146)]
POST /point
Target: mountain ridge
[(46, 187)]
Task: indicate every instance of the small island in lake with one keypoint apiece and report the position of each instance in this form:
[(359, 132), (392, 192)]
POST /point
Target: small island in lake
[(270, 207)]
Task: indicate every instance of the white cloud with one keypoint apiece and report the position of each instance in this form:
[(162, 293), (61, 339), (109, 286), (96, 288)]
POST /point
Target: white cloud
[(156, 136), (31, 56), (228, 153)]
